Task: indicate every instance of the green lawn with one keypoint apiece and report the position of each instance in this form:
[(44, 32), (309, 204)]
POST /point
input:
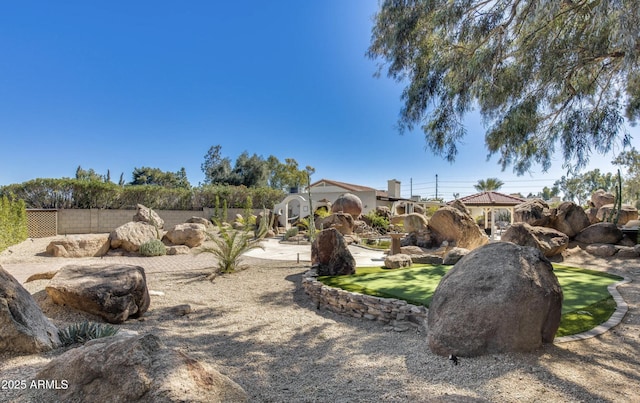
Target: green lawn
[(586, 304)]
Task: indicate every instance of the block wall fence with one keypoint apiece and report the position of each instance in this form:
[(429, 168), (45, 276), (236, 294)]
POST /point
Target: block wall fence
[(43, 223)]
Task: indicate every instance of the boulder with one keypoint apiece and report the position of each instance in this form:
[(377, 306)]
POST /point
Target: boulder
[(600, 198), (627, 252), (200, 220), (569, 218), (551, 242), (348, 203), (23, 327), (602, 232), (427, 258), (146, 215), (628, 213), (178, 250), (632, 224), (114, 292), (133, 369), (602, 249), (343, 222), (397, 261), (459, 205), (533, 212), (131, 235), (415, 222), (454, 255), (188, 234), (499, 298), (330, 254), (79, 246), (383, 211), (451, 225)]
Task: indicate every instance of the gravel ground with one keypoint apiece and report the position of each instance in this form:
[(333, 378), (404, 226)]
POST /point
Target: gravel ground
[(258, 327)]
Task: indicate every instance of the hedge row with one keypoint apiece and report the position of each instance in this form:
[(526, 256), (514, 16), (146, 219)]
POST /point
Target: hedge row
[(74, 193), (13, 222)]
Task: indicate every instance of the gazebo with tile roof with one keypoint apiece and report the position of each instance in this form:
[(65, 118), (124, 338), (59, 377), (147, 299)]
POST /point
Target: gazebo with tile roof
[(489, 202)]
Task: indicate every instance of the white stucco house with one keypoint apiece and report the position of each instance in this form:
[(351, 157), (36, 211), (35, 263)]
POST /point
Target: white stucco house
[(326, 191)]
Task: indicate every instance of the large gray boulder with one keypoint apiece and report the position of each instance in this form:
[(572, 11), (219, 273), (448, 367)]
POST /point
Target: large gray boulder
[(131, 235), (79, 246), (600, 198), (499, 298), (415, 222), (456, 227), (348, 203), (23, 326), (534, 212), (343, 222), (189, 234), (602, 232), (113, 292), (330, 255), (133, 369), (147, 215), (550, 241), (569, 218)]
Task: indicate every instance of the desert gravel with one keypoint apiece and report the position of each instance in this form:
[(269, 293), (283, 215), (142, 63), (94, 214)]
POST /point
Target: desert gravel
[(258, 327)]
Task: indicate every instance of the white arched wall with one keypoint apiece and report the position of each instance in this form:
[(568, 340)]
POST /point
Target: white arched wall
[(282, 209)]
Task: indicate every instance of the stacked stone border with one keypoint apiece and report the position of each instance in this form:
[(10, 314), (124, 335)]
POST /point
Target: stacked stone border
[(400, 314), (403, 315)]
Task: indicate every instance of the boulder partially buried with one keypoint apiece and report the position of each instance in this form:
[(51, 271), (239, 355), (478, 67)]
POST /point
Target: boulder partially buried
[(133, 369), (603, 232), (499, 298), (23, 326), (550, 241), (189, 234), (330, 254), (79, 246), (113, 292), (131, 235)]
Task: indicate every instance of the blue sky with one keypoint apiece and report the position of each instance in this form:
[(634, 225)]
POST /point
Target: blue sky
[(118, 85)]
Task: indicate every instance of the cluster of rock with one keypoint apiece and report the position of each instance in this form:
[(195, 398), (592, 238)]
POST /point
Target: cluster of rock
[(145, 226), (130, 368), (551, 229)]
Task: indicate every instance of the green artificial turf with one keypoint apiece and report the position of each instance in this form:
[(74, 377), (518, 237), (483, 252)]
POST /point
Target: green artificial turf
[(586, 303)]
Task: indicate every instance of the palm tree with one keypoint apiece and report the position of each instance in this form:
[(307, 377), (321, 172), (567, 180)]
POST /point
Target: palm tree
[(489, 184), (228, 246)]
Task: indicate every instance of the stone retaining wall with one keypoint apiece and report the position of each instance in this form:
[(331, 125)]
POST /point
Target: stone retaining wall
[(397, 313)]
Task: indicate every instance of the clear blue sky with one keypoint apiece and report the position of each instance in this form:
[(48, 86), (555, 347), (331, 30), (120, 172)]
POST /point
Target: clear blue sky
[(114, 85)]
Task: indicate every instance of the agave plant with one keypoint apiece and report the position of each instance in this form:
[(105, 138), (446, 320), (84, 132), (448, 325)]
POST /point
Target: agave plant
[(229, 246), (82, 332)]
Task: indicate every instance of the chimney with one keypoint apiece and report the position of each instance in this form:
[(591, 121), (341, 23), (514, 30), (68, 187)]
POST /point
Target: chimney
[(393, 188)]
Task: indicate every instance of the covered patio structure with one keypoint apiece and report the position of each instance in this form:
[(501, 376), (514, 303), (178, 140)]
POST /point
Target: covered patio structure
[(487, 203)]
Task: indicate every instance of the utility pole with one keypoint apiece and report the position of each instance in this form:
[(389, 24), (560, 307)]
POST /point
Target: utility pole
[(410, 187), (436, 186)]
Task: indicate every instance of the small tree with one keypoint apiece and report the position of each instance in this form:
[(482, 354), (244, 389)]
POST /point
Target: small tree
[(228, 247)]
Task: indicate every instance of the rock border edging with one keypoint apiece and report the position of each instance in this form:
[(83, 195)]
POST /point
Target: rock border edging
[(390, 311), (621, 309)]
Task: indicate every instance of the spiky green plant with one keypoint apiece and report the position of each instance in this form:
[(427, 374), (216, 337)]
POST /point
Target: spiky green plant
[(228, 246), (154, 247), (82, 332)]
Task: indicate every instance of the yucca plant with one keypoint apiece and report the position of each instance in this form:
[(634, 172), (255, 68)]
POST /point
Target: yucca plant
[(82, 332), (229, 246)]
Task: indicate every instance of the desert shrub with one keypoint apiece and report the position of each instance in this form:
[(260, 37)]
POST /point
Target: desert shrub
[(84, 331), (154, 247), (13, 222), (291, 232), (378, 222)]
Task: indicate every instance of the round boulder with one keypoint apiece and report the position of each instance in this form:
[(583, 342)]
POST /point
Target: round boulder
[(600, 198), (550, 241), (499, 298), (415, 222), (602, 232), (627, 213), (348, 203), (454, 226), (534, 212), (570, 219)]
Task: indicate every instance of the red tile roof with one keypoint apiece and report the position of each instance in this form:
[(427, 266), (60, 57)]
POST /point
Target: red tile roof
[(491, 199)]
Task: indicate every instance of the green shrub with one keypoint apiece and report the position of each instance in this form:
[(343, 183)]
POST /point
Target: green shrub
[(13, 222), (291, 232), (84, 331), (378, 222), (154, 247)]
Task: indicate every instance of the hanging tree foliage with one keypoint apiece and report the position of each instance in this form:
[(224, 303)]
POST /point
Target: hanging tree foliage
[(541, 73)]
